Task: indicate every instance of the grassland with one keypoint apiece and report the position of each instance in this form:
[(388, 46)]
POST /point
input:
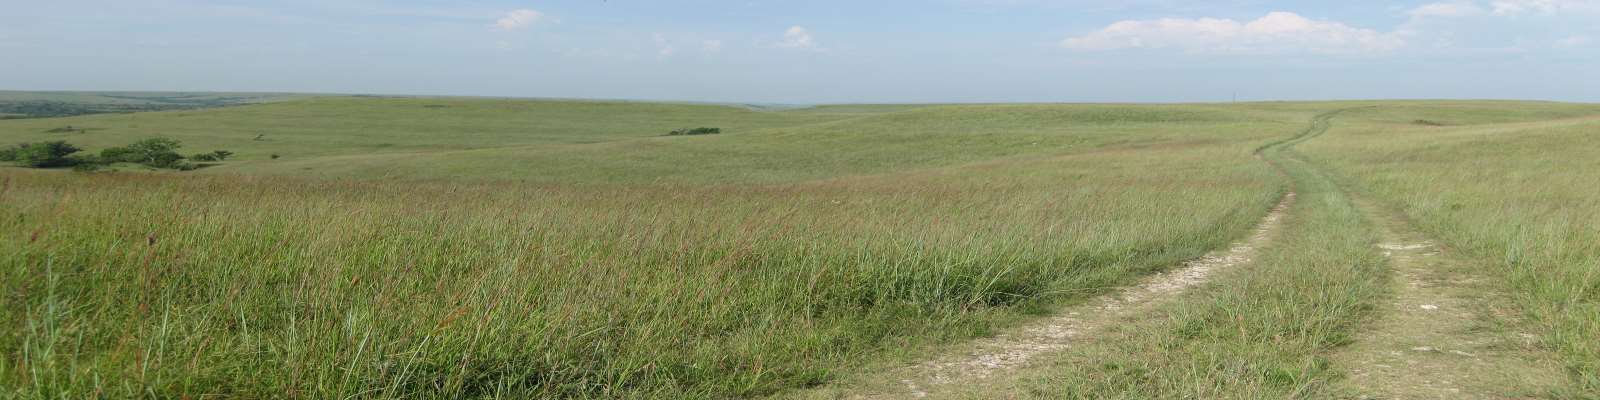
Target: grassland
[(1513, 185), (621, 142), (1267, 331), (423, 248), (591, 257), (1257, 332)]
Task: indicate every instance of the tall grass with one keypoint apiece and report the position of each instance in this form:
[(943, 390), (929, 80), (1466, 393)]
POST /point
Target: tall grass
[(144, 285), (1257, 331), (1511, 184)]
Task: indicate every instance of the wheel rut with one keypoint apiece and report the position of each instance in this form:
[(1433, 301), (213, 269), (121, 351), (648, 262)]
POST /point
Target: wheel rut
[(1445, 334), (990, 359), (1016, 348)]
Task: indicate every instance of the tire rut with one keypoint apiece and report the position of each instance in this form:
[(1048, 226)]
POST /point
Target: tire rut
[(987, 358), (983, 360), (1445, 334)]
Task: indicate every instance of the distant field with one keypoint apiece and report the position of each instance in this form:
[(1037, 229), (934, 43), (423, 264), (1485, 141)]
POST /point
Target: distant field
[(624, 142), (18, 104), (452, 247)]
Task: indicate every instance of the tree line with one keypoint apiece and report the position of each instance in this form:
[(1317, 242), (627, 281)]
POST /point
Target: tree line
[(153, 152)]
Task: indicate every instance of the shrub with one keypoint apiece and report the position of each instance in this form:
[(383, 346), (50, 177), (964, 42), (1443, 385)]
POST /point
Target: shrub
[(153, 149), (219, 155), (167, 160), (118, 154), (41, 155), (695, 131), (154, 152)]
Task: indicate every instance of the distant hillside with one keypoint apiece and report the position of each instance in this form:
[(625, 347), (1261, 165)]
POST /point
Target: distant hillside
[(18, 104)]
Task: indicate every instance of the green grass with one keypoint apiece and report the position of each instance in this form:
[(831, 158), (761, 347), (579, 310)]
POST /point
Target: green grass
[(1504, 182), (585, 255), (1513, 185), (1258, 331), (449, 248), (621, 142)]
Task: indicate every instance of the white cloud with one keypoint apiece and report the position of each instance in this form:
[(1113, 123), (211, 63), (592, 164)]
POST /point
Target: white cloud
[(1277, 32), (663, 47), (798, 37), (1515, 7), (1446, 10), (711, 46), (1545, 7), (1504, 8), (519, 19), (1573, 41)]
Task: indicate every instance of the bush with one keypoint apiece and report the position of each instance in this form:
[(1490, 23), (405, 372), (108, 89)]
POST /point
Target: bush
[(118, 154), (695, 131), (41, 155), (219, 155), (153, 149), (166, 160), (153, 152)]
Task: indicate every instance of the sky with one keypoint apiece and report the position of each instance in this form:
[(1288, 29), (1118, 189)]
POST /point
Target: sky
[(814, 51)]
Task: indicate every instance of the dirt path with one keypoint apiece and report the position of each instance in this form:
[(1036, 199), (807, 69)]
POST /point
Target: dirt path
[(1444, 336), (984, 359)]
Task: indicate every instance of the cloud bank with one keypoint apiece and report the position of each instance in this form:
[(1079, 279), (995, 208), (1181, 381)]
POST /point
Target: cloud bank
[(518, 19), (1277, 32), (797, 37)]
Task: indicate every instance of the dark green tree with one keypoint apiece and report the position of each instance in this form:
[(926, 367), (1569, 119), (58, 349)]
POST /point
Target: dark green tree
[(119, 154), (41, 155)]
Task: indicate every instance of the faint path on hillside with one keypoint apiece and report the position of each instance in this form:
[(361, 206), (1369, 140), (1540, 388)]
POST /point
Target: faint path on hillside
[(1015, 348), (1445, 334)]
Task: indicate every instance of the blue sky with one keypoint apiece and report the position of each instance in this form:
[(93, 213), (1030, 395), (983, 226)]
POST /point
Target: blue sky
[(814, 51)]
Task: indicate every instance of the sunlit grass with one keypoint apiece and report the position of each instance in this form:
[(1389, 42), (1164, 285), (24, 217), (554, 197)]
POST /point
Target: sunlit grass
[(1256, 331), (1514, 185), (792, 255)]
